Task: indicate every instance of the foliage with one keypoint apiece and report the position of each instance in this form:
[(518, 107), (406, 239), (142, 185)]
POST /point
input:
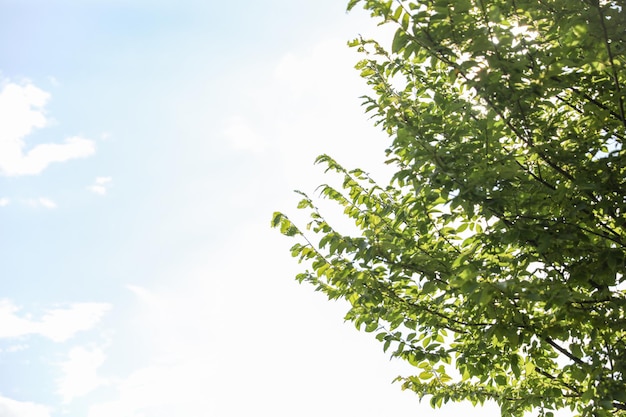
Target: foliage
[(494, 261)]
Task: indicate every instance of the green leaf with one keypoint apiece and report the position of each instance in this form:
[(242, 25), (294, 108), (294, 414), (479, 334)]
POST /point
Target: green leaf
[(426, 375), (399, 41), (276, 218)]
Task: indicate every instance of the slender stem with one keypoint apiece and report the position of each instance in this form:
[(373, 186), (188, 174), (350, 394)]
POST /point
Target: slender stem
[(607, 44)]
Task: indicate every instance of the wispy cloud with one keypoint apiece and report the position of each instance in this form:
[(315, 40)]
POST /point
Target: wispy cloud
[(13, 408), (53, 81), (319, 112), (47, 203), (179, 377), (40, 202), (203, 347), (157, 391), (100, 185), (22, 109), (57, 324), (80, 373), (14, 348), (242, 137), (4, 202), (61, 324)]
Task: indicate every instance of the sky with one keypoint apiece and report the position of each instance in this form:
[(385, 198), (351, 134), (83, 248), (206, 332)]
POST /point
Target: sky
[(144, 145)]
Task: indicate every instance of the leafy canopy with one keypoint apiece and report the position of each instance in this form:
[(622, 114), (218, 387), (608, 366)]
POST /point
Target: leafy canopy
[(494, 260)]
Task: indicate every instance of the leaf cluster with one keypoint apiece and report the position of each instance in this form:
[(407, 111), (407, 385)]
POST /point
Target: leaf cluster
[(494, 260)]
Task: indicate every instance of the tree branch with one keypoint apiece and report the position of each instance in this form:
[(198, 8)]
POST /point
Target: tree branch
[(607, 44), (564, 351)]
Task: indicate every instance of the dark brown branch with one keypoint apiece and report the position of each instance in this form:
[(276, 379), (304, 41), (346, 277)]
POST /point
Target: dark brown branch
[(564, 351), (553, 378)]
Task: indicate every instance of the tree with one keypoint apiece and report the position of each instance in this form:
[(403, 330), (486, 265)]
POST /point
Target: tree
[(494, 260)]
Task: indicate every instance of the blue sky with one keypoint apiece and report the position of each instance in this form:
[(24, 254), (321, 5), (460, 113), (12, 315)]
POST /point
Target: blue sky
[(143, 147)]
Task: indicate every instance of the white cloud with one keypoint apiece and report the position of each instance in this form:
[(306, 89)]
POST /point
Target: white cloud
[(4, 202), (242, 137), (97, 189), (319, 111), (40, 202), (22, 111), (62, 323), (47, 203), (22, 108), (100, 185), (38, 158), (53, 81), (220, 330), (58, 324), (14, 348), (13, 408), (162, 390), (80, 373), (315, 73), (179, 379)]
